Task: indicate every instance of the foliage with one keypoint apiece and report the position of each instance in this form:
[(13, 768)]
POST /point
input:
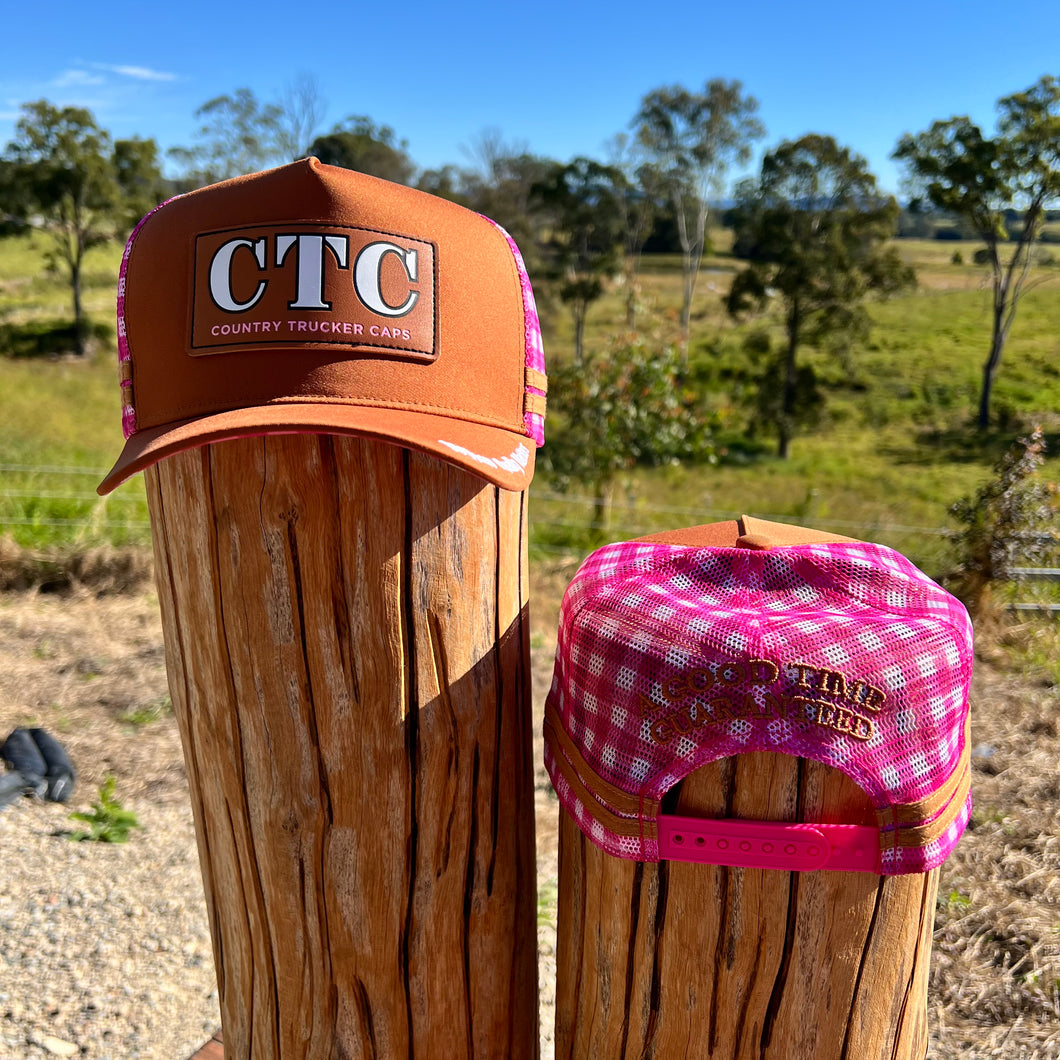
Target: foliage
[(301, 110), (616, 410), (501, 187), (362, 145), (139, 176), (109, 821), (1008, 521), (982, 180), (814, 229), (691, 139), (580, 204), (61, 172), (641, 194), (238, 134)]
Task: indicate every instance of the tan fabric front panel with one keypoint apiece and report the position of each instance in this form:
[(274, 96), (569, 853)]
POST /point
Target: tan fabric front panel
[(478, 370)]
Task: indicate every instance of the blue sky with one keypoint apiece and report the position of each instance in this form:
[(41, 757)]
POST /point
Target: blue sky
[(558, 78)]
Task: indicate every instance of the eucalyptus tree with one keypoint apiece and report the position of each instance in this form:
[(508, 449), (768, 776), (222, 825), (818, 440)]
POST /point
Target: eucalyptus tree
[(579, 208), (815, 231), (62, 175), (692, 139), (985, 180)]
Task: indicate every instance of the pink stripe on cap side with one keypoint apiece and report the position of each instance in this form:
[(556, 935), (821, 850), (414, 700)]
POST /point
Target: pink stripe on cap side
[(535, 348), (128, 413)]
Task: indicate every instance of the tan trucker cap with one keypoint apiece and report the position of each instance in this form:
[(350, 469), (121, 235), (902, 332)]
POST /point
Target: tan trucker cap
[(311, 298)]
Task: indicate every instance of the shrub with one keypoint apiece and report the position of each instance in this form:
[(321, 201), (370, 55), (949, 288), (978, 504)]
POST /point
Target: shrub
[(1009, 520), (629, 406)]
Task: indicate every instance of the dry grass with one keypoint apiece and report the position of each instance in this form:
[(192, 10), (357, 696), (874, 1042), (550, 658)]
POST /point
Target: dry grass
[(102, 570), (995, 981)]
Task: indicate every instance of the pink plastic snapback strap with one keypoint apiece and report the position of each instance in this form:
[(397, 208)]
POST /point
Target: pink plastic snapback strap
[(769, 845)]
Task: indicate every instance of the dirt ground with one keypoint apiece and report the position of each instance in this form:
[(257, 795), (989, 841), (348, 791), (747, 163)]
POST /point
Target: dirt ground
[(92, 671)]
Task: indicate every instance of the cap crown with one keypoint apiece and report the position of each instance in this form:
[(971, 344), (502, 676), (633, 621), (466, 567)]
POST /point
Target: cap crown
[(670, 657), (310, 289)]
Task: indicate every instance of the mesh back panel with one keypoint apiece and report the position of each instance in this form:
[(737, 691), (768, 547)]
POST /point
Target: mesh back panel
[(670, 657)]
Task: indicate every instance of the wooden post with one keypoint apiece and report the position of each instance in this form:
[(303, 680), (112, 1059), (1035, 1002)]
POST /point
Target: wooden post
[(679, 960), (347, 645)]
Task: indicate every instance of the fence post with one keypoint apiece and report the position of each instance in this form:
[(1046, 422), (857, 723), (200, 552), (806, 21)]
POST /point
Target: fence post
[(744, 962), (335, 386), (346, 638)]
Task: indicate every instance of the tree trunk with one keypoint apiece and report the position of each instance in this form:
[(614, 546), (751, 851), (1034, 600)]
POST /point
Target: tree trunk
[(787, 411), (997, 347), (347, 646), (79, 313), (747, 964), (631, 298), (579, 333), (603, 501)]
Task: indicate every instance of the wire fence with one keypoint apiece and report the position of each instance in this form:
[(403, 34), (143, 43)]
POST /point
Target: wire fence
[(46, 504)]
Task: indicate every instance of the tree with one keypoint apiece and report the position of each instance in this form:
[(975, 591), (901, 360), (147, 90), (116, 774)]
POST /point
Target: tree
[(139, 178), (301, 109), (238, 135), (692, 138), (500, 186), (362, 145), (814, 228), (617, 410), (59, 174), (983, 180), (580, 201), (640, 193)]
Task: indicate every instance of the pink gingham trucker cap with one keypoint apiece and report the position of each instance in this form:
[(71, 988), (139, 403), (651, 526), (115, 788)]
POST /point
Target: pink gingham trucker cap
[(686, 647)]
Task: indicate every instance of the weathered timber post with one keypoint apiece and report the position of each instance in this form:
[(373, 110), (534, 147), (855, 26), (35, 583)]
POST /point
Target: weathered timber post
[(340, 545), (346, 637), (682, 929), (743, 962)]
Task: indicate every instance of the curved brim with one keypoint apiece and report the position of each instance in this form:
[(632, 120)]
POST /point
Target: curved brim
[(502, 457)]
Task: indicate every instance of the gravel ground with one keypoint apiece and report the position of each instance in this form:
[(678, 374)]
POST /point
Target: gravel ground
[(104, 948)]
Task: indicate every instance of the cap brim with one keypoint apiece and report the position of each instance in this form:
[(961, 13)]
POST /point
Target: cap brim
[(504, 458)]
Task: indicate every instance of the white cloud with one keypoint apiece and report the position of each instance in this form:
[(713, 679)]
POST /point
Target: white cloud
[(139, 73), (77, 79)]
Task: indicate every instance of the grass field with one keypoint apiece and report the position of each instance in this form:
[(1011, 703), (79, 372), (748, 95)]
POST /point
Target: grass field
[(894, 450)]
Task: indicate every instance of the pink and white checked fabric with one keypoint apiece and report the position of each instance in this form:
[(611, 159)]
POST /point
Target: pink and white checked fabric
[(672, 656), (128, 412), (535, 347)]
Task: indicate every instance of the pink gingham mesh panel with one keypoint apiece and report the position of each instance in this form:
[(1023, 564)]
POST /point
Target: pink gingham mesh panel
[(670, 657), (535, 349), (128, 412)]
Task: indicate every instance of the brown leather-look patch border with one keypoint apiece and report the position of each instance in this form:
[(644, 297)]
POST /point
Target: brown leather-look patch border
[(314, 285)]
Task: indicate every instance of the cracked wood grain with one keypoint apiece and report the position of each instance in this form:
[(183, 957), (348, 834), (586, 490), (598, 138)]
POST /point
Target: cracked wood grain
[(346, 640), (742, 964)]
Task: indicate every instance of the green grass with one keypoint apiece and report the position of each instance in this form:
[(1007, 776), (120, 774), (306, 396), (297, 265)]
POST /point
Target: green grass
[(60, 417), (897, 445), (895, 449)]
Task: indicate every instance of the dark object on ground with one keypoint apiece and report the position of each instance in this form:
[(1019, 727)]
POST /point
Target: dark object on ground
[(21, 753), (11, 786), (60, 772), (44, 766)]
